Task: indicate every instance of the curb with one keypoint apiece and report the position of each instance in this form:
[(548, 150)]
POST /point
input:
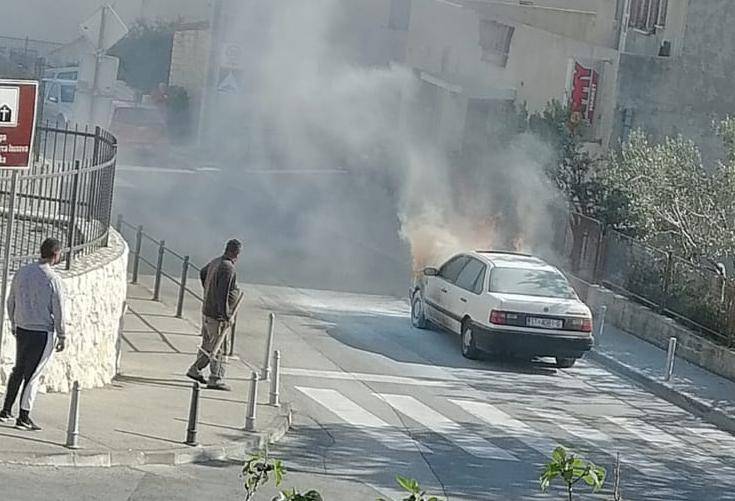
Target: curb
[(668, 392), (240, 449)]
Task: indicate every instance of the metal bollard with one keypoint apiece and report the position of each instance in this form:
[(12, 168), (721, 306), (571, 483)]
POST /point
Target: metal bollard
[(252, 403), (182, 289), (601, 322), (276, 381), (670, 356), (269, 346), (136, 259), (72, 428), (159, 270), (191, 426)]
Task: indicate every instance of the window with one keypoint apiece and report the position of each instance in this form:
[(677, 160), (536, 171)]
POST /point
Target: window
[(451, 269), (530, 282), (495, 39), (67, 93), (68, 75), (646, 15), (400, 15), (53, 93), (472, 276)]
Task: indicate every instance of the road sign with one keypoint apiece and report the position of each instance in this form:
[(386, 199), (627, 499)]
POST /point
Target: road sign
[(230, 81), (104, 28), (231, 55), (18, 100)]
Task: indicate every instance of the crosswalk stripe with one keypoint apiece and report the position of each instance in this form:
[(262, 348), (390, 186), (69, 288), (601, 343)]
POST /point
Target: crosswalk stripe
[(658, 437), (511, 427), (445, 427), (350, 412), (602, 441)]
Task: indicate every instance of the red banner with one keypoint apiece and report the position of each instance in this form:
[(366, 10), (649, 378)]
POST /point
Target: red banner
[(18, 100), (583, 97)]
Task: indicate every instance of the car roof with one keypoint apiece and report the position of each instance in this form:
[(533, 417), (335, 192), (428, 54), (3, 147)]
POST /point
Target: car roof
[(506, 259)]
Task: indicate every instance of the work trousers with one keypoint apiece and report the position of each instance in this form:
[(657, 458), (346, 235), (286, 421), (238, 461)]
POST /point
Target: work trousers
[(212, 350)]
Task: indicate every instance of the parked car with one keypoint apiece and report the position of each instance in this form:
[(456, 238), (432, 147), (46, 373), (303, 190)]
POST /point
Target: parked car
[(138, 129), (504, 303), (59, 98)]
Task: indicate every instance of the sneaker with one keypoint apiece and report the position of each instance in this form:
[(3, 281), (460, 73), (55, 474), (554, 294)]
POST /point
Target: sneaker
[(219, 386), (5, 416), (27, 424), (192, 374)]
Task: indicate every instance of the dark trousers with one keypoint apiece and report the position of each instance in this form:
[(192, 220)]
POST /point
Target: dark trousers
[(33, 349)]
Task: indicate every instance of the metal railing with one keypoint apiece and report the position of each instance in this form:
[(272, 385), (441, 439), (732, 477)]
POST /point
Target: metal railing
[(167, 264), (697, 296), (67, 194)]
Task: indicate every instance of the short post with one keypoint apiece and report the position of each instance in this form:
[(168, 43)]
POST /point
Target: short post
[(191, 427), (136, 258), (72, 428), (276, 381), (670, 356), (601, 321), (182, 288), (159, 271), (252, 403), (119, 224), (269, 346)]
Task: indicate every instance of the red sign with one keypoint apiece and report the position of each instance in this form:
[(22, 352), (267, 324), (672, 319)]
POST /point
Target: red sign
[(18, 100), (584, 91)]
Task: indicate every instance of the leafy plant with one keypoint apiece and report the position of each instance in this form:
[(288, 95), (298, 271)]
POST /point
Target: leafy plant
[(412, 487), (258, 471), (571, 470), (294, 495)]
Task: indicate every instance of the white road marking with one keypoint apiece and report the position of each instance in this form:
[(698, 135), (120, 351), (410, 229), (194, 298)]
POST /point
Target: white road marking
[(603, 441), (367, 422), (447, 428), (509, 425), (359, 376)]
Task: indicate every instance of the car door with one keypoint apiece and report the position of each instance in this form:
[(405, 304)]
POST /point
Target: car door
[(464, 297), (437, 290), (51, 105)]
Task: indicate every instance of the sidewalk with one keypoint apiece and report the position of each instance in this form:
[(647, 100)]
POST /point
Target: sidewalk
[(142, 417), (691, 387)]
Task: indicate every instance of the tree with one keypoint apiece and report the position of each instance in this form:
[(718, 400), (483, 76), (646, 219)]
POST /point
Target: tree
[(571, 470), (678, 204)]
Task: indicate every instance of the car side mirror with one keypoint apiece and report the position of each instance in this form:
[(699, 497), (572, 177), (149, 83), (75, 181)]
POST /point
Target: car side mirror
[(431, 272), (53, 99)]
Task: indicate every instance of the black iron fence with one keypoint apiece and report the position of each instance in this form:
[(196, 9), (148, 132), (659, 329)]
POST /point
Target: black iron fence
[(697, 296), (151, 257), (67, 194)]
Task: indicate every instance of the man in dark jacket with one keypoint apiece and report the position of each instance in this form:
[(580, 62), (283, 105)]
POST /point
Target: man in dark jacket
[(219, 281)]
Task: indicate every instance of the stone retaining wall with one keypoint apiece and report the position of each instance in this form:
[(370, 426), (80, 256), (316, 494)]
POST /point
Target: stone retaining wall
[(650, 326), (96, 288)]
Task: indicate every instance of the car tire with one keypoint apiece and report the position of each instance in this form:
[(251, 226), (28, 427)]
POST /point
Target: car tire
[(565, 362), (418, 319), (469, 346)]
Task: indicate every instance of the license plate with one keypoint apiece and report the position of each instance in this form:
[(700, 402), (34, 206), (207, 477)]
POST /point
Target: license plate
[(544, 323)]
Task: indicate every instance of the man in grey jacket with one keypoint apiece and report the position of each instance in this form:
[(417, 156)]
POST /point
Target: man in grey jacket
[(219, 281), (36, 312)]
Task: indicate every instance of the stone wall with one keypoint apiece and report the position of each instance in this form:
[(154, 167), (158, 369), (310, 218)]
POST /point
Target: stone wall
[(95, 287), (650, 326)]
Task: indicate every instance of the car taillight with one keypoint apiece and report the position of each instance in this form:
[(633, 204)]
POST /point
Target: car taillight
[(498, 317), (580, 324)]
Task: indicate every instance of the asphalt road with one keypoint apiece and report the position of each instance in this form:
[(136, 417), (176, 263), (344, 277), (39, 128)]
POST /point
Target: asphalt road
[(375, 397)]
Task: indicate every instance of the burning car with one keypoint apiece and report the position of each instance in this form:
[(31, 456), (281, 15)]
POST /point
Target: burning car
[(505, 303)]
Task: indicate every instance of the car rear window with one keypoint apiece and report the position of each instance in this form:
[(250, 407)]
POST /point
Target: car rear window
[(530, 282)]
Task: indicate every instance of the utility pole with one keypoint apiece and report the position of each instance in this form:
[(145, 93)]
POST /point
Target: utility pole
[(209, 96), (98, 54)]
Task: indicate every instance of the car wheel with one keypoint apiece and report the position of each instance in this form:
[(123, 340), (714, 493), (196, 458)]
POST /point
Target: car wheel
[(469, 346), (565, 362), (418, 319)]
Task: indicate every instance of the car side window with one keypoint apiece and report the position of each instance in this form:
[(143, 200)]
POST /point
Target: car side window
[(480, 282), (470, 275), (451, 269)]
